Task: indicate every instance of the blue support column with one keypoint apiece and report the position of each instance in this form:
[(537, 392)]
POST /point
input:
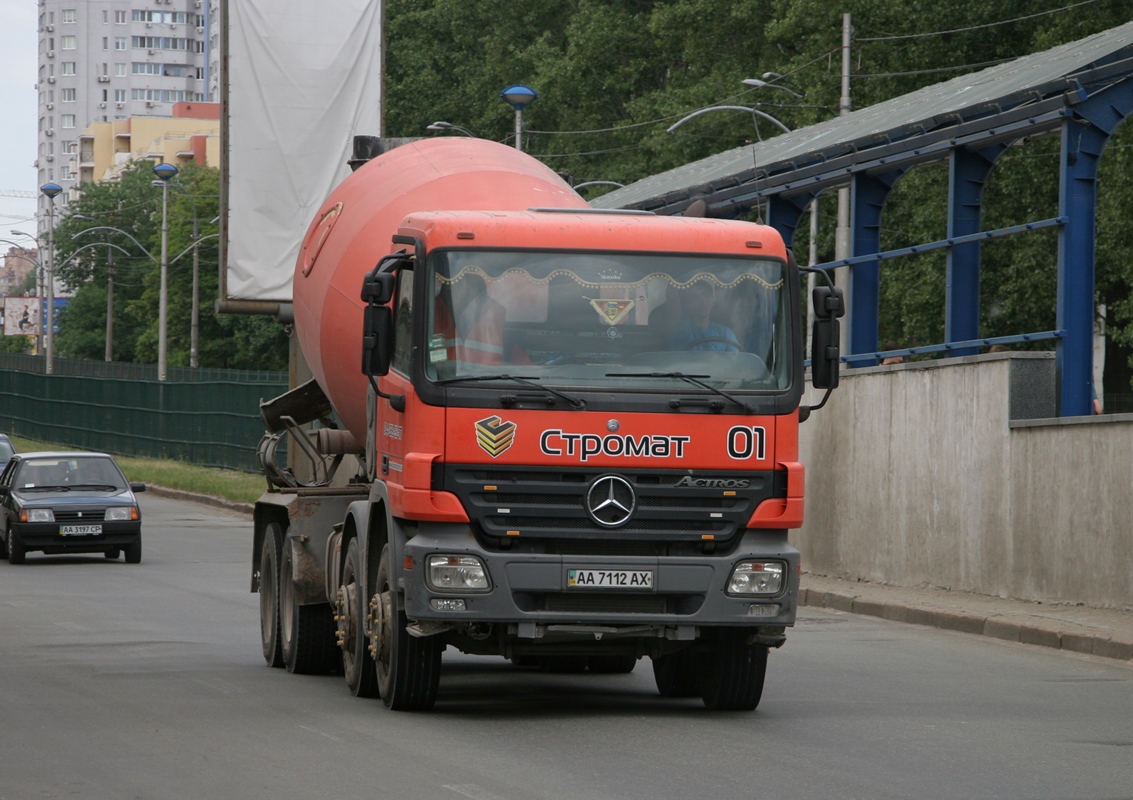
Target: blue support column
[(968, 171), (1084, 136), (868, 197), (784, 213)]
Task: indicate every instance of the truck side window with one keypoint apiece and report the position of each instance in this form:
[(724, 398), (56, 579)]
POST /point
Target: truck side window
[(403, 321)]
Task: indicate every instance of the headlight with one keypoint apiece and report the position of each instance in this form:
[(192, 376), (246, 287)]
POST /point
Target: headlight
[(456, 574), (37, 515), (756, 577), (121, 514)]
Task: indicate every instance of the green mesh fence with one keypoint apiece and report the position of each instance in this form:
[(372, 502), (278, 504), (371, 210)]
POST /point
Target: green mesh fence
[(211, 419)]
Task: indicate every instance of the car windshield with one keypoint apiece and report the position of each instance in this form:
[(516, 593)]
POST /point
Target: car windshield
[(616, 321), (6, 450), (71, 472)]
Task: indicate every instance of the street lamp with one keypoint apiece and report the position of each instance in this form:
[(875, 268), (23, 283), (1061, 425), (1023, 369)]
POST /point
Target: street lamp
[(50, 190), (519, 97), (164, 172), (448, 126), (756, 83), (755, 112)]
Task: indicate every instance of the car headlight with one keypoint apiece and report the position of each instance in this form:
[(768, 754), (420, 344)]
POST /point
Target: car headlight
[(121, 514), (37, 515), (756, 577), (456, 574)]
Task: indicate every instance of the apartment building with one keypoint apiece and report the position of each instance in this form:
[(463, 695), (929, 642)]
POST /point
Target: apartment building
[(102, 61)]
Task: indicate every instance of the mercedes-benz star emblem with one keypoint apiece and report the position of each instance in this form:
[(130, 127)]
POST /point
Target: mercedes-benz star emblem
[(611, 501)]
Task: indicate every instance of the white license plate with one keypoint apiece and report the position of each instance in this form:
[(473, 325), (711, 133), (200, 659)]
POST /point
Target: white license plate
[(80, 530), (610, 579)]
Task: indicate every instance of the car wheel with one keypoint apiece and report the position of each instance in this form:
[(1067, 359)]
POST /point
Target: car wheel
[(4, 546), (16, 551), (134, 551)]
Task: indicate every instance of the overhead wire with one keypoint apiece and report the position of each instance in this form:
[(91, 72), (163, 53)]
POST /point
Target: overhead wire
[(973, 27)]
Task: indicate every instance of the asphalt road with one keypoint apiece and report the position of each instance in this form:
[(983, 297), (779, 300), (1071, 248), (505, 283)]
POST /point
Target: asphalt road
[(146, 681)]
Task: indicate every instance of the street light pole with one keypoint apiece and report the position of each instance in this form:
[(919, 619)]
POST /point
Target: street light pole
[(164, 172), (50, 190), (110, 305), (195, 324), (519, 97)]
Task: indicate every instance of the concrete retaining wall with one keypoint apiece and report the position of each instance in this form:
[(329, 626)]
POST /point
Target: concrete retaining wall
[(956, 474)]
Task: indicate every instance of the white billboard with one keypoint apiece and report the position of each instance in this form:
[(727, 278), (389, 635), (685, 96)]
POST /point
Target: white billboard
[(302, 79)]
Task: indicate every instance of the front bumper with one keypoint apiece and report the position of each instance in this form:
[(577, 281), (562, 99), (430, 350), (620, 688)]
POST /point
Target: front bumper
[(530, 589), (45, 537)]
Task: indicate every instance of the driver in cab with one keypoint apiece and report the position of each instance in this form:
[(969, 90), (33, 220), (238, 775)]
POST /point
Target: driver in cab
[(695, 330)]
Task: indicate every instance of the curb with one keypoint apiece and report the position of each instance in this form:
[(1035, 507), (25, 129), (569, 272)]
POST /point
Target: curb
[(245, 509), (995, 626)]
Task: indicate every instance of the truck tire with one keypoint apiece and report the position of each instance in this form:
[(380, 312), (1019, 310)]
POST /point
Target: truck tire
[(134, 551), (612, 665), (676, 674), (269, 594), (16, 551), (409, 668), (306, 632), (732, 671), (357, 663)]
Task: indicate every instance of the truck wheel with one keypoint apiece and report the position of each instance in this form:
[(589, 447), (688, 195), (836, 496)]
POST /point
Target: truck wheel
[(306, 632), (676, 674), (612, 665), (16, 551), (732, 672), (269, 594), (134, 551), (409, 668), (357, 663)]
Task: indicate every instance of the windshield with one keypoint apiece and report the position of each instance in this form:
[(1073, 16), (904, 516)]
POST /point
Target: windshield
[(70, 472), (6, 450), (610, 320)]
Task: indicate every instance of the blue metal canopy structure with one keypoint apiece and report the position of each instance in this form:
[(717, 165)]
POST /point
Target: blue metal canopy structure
[(1082, 90)]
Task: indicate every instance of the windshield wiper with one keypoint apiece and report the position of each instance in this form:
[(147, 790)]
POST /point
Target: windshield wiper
[(106, 487), (45, 488), (693, 379), (575, 402)]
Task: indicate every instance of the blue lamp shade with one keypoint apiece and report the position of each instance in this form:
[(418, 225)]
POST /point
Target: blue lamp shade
[(51, 189), (165, 171), (519, 96)]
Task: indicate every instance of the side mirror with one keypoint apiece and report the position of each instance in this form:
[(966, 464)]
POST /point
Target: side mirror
[(829, 302), (824, 354), (377, 340), (137, 487), (377, 288), (5, 491)]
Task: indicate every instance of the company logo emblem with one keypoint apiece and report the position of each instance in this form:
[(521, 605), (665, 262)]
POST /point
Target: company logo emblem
[(495, 435), (611, 501)]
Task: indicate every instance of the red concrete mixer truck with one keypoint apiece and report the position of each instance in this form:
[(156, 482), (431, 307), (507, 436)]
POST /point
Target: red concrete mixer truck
[(537, 430)]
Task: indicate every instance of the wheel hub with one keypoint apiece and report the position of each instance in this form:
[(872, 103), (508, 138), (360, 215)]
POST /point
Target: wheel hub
[(379, 627)]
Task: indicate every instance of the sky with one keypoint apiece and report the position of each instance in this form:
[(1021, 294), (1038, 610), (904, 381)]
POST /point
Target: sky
[(18, 64)]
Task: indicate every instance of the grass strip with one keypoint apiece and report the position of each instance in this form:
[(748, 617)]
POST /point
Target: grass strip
[(239, 487)]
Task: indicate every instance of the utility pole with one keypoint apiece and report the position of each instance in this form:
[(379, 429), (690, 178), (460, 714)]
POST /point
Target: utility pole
[(842, 233)]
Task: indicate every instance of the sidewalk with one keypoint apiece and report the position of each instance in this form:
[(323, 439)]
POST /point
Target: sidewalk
[(1101, 632)]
